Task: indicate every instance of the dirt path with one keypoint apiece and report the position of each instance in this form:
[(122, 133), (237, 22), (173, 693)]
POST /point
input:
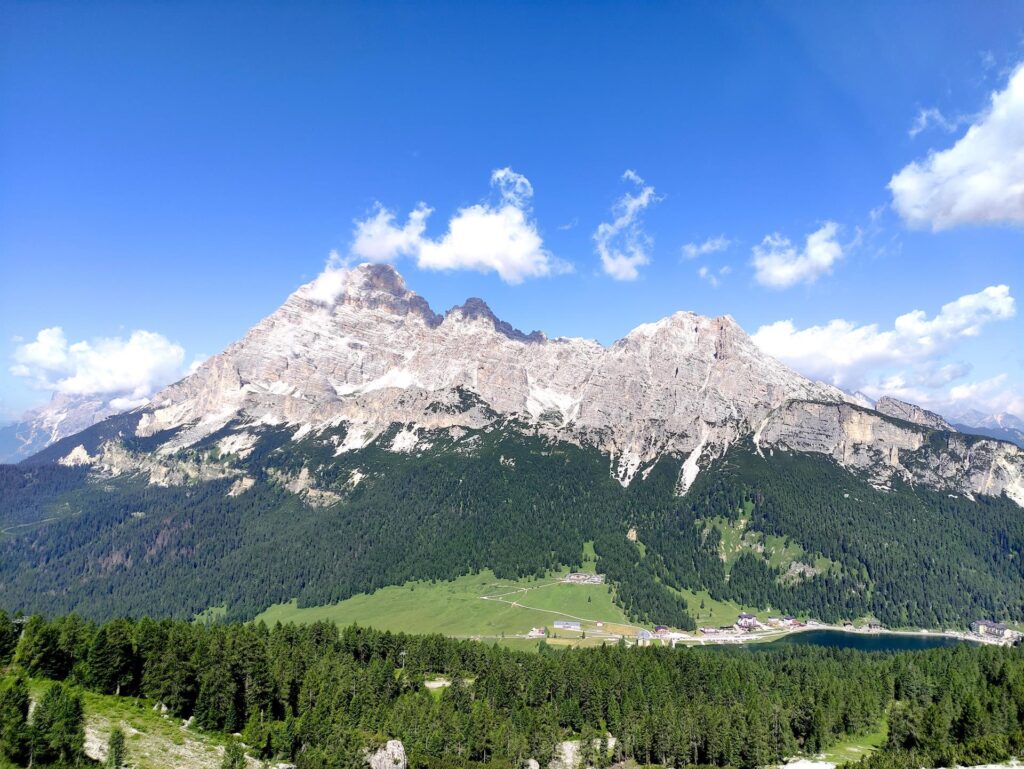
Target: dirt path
[(502, 598)]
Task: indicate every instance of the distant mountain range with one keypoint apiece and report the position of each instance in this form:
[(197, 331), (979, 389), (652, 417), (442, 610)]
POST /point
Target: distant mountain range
[(64, 415), (1004, 427), (355, 438)]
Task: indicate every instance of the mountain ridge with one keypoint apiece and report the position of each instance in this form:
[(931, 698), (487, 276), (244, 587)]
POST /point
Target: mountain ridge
[(357, 347)]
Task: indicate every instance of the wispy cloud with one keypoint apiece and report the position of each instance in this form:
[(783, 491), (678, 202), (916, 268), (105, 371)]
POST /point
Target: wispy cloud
[(709, 246), (932, 117), (713, 277), (622, 244)]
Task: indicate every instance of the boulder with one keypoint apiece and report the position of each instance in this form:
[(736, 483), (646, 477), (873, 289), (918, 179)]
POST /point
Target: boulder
[(390, 756)]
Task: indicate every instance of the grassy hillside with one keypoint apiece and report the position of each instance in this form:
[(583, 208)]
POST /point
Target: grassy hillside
[(153, 740), (483, 607), (474, 606)]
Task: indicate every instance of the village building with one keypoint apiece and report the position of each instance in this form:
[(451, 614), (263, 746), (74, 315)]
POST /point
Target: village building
[(747, 621), (988, 628), (643, 638), (537, 632)]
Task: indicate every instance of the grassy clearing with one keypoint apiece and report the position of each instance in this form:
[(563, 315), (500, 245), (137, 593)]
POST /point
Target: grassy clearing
[(855, 748), (213, 614), (589, 558), (153, 741), (457, 608), (717, 613), (779, 552)]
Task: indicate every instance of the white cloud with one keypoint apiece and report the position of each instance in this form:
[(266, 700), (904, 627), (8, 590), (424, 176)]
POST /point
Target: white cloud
[(128, 370), (377, 239), (622, 244), (860, 356), (980, 179), (709, 246), (778, 263), (501, 238)]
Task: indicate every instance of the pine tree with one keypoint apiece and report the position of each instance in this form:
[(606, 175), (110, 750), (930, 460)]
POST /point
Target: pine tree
[(58, 726), (14, 706), (116, 749)]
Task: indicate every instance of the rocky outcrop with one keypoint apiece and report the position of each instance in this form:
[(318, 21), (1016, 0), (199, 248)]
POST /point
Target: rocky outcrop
[(390, 756), (911, 413), (882, 447)]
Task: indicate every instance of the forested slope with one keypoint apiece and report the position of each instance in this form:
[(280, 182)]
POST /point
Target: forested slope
[(517, 504)]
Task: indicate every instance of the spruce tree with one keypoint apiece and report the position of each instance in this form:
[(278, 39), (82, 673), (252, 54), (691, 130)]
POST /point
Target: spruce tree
[(14, 730), (116, 749), (58, 727), (8, 638)]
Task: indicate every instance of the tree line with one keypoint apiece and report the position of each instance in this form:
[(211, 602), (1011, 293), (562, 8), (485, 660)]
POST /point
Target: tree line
[(320, 697)]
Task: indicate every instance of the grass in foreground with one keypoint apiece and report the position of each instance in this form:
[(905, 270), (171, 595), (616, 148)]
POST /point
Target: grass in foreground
[(153, 740)]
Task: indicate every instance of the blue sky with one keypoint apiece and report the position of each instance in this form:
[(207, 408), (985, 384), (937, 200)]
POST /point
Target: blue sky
[(179, 168)]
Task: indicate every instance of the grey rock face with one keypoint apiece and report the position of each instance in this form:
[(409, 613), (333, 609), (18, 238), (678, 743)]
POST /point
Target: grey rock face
[(376, 354), (390, 756), (911, 413), (874, 444), (64, 415), (357, 348)]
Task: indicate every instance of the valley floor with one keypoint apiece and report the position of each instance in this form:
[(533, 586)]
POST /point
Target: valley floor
[(483, 607)]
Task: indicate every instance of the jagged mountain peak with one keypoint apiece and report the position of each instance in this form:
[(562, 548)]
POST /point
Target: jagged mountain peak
[(366, 286), (476, 309)]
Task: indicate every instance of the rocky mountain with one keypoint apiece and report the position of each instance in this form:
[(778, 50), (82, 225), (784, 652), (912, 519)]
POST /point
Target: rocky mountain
[(356, 439), (357, 349), (909, 412), (64, 415)]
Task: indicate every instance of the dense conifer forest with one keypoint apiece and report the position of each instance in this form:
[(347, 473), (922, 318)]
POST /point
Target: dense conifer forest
[(515, 503), (319, 697)]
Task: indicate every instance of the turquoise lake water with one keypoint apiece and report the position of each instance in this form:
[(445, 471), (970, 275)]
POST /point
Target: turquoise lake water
[(874, 642)]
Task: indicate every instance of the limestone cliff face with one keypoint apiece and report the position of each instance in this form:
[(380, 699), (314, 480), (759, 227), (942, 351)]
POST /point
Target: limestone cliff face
[(376, 354), (356, 348), (911, 413), (882, 447)]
